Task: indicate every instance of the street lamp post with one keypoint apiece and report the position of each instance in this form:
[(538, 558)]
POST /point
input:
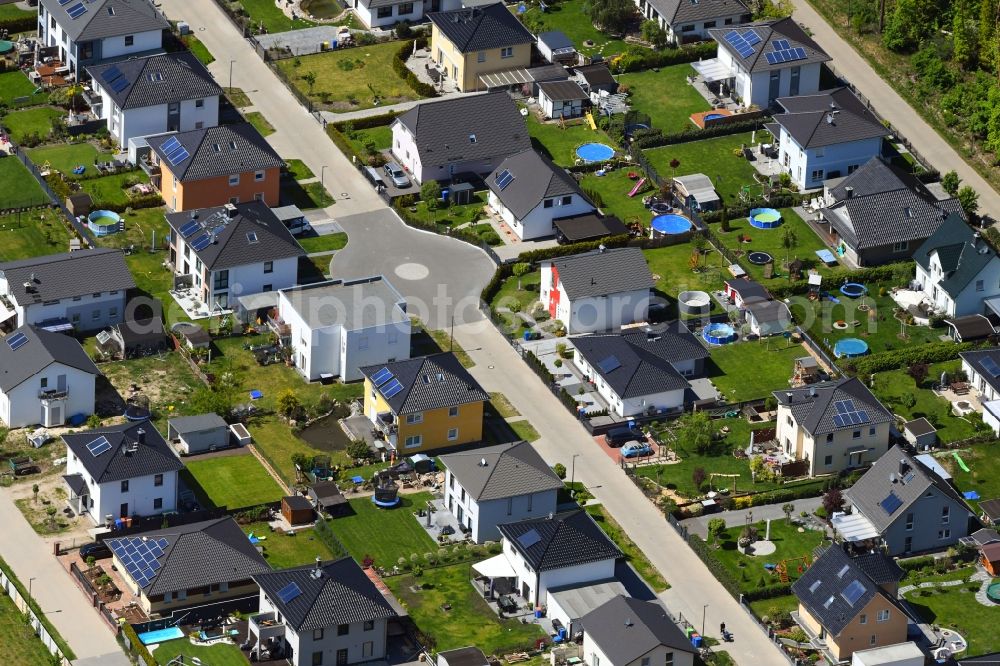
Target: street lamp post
[(572, 474), (703, 610), (231, 74)]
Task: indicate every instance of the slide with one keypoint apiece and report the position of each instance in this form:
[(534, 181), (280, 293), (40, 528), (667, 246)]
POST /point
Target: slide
[(961, 463), (638, 186), (590, 119)]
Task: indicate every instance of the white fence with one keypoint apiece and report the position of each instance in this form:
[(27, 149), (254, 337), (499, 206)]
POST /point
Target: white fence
[(39, 629)]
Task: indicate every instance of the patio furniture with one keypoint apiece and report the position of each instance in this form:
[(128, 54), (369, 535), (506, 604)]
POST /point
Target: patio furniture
[(507, 604)]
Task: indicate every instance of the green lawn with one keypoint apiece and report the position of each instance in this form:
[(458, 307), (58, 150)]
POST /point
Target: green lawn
[(238, 97), (768, 607), (509, 294), (956, 608), (198, 48), (984, 470), (612, 189), (524, 430), (220, 654), (299, 170), (111, 189), (671, 267), (384, 534), (265, 14), (283, 550), (32, 234), (349, 79), (305, 196), (468, 621), (665, 96), (571, 18), (896, 388), (17, 640), (147, 266), (633, 554), (36, 120), (712, 157), (768, 362), (18, 188), (749, 570), (323, 243), (67, 156), (12, 11), (16, 84), (257, 119), (450, 215), (235, 482), (380, 137), (561, 142)]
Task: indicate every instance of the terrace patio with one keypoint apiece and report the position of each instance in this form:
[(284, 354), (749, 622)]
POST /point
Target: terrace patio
[(189, 300), (710, 82), (439, 522), (422, 64)]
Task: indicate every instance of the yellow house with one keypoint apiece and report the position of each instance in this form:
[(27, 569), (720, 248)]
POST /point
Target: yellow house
[(849, 603), (425, 403), (467, 43)]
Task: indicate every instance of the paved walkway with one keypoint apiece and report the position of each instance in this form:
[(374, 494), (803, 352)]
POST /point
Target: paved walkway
[(850, 64), (699, 525), (332, 117)]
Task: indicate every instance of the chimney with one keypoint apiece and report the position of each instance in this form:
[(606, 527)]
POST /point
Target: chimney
[(790, 396), (904, 467), (628, 622), (317, 573), (601, 248), (551, 515), (812, 391), (482, 462), (230, 210), (140, 436), (829, 119), (975, 242), (850, 192)]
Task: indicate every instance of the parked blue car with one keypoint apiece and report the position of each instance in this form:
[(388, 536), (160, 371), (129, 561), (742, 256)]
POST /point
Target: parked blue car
[(636, 450)]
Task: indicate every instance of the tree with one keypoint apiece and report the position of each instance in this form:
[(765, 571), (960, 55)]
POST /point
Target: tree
[(560, 470), (969, 199), (919, 372), (310, 79), (987, 32), (789, 241), (965, 47), (520, 269), (674, 165), (833, 501), (698, 476), (716, 526), (652, 32), (612, 16), (288, 403), (911, 23), (359, 449), (951, 182), (430, 193), (724, 219), (34, 492), (696, 431), (50, 511), (788, 510)]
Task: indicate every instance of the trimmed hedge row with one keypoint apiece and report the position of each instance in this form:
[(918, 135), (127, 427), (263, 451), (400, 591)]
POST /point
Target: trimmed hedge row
[(399, 66), (721, 573), (894, 273), (576, 248), (27, 23), (656, 139), (930, 352), (787, 200), (636, 60), (137, 647), (367, 122), (144, 201)]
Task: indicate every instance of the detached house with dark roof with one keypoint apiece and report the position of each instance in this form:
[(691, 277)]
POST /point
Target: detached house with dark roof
[(470, 42), (910, 506), (834, 425), (956, 269), (441, 140), (760, 62), (121, 471), (324, 613), (825, 135), (211, 167), (171, 92), (982, 368), (498, 484), (597, 291), (233, 250), (848, 604), (424, 403), (530, 193), (879, 214), (91, 31), (630, 632), (44, 378), (690, 20), (85, 290)]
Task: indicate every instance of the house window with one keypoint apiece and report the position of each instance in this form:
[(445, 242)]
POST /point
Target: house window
[(318, 656), (817, 174), (95, 315), (452, 434), (221, 280), (416, 417), (199, 103), (548, 203), (75, 319), (507, 52), (871, 431), (125, 486), (158, 480), (317, 634), (874, 640), (645, 661), (414, 441), (883, 616), (369, 625), (129, 40), (900, 246), (481, 56), (908, 544), (567, 200), (687, 28), (828, 461), (234, 179), (367, 648), (384, 12), (668, 659), (112, 312), (158, 503), (405, 8), (198, 125), (453, 411), (829, 437), (945, 514), (820, 152), (909, 521), (862, 619), (45, 382), (729, 21), (267, 287), (510, 505), (856, 434), (343, 629), (709, 24), (944, 534), (979, 285), (268, 266)]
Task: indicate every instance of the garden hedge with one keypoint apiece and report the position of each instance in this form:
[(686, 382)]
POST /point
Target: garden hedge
[(895, 273), (399, 66), (654, 138), (931, 352), (19, 24), (367, 122), (137, 647), (144, 201), (636, 59)]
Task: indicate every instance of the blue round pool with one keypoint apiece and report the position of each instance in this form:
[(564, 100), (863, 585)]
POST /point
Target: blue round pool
[(671, 223), (104, 222), (719, 334), (765, 218), (595, 152), (853, 290), (850, 347)]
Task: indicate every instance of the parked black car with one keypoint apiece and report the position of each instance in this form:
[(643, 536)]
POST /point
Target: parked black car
[(96, 549)]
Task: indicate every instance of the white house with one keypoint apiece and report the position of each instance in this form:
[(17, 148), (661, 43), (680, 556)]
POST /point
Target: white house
[(324, 613), (597, 291), (91, 31), (566, 548), (834, 426), (498, 484), (759, 62), (121, 471), (44, 378), (336, 327), (232, 250), (957, 271), (690, 20), (530, 193), (630, 632), (826, 135), (171, 92), (470, 134), (982, 370), (562, 99), (85, 290)]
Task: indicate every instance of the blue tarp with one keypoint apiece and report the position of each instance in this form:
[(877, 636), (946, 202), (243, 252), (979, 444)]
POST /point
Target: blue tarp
[(971, 495), (256, 395)]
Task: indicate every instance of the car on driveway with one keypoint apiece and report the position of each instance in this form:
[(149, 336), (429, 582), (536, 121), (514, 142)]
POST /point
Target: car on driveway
[(637, 450), (96, 549), (396, 173), (622, 435)]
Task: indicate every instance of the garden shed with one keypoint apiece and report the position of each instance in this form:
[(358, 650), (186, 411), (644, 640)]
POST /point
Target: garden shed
[(297, 510)]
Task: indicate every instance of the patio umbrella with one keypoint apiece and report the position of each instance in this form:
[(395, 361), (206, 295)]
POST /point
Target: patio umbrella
[(944, 379)]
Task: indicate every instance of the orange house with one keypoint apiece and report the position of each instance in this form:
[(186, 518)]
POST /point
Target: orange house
[(212, 167)]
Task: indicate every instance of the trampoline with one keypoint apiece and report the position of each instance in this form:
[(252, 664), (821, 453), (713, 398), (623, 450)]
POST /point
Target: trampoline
[(719, 334), (661, 208), (993, 592), (595, 152), (765, 218), (850, 348), (671, 223), (759, 258), (104, 222), (6, 46), (853, 290), (136, 413)]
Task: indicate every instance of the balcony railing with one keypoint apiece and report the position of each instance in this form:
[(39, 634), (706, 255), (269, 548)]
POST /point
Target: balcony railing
[(53, 394), (266, 625), (279, 326)]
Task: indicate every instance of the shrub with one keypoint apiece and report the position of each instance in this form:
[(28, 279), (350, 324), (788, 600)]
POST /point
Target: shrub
[(654, 138), (560, 470), (399, 66)]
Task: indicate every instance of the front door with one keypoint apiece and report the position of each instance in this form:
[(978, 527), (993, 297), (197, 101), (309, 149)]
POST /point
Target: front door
[(173, 116), (123, 511), (342, 657)]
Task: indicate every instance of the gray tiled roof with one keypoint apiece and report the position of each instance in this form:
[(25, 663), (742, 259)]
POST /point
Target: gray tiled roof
[(40, 351), (535, 178), (442, 130), (510, 470), (898, 473), (626, 629), (828, 118), (814, 406), (107, 18), (352, 304), (481, 28), (153, 456), (596, 75), (556, 40), (197, 423), (770, 311), (769, 31), (201, 554), (157, 79), (59, 276), (233, 247), (676, 12), (881, 569), (564, 540), (962, 253), (748, 289), (343, 594), (976, 357), (602, 273), (560, 91), (821, 589), (219, 151), (430, 382)]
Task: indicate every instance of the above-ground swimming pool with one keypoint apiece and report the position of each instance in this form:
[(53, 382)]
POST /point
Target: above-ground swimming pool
[(104, 222), (993, 592), (765, 218), (160, 635), (850, 347), (6, 46), (694, 302), (671, 223), (853, 290), (595, 152), (759, 258), (719, 334)]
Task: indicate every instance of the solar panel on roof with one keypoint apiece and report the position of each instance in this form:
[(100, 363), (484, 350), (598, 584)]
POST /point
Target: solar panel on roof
[(63, 3), (990, 366), (99, 446), (392, 388), (163, 543), (609, 364), (891, 503), (779, 44), (771, 58), (77, 10), (838, 420), (529, 538), (120, 85), (17, 341), (751, 37), (853, 592), (504, 178), (800, 53), (178, 156), (170, 144), (201, 242), (843, 406), (111, 73), (729, 36), (381, 377), (189, 229), (745, 51), (289, 592)]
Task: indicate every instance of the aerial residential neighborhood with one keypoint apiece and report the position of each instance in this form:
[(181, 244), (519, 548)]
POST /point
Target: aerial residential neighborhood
[(482, 333)]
